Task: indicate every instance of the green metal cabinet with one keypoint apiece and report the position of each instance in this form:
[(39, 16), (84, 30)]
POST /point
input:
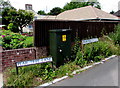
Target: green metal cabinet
[(60, 45)]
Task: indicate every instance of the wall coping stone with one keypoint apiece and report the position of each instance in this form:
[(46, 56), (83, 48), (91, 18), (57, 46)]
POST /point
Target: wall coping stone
[(19, 49)]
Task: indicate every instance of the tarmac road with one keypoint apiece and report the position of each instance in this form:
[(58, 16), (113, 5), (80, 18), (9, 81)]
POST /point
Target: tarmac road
[(105, 74)]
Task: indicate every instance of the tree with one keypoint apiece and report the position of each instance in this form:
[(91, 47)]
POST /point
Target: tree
[(8, 16), (11, 17), (13, 27), (112, 12), (19, 19), (41, 12), (5, 15), (5, 7), (23, 18), (73, 5), (55, 11), (4, 4)]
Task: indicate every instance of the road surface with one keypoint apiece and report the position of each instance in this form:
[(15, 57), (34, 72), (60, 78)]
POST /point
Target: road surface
[(105, 74)]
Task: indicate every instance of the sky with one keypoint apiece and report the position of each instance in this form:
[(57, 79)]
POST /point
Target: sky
[(47, 5)]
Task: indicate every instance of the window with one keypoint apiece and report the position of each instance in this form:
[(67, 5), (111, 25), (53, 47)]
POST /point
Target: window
[(35, 17), (30, 26)]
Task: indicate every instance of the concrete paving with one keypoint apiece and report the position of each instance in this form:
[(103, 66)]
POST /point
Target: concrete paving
[(1, 80)]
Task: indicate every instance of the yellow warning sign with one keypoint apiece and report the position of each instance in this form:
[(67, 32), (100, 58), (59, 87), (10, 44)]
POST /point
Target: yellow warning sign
[(63, 38)]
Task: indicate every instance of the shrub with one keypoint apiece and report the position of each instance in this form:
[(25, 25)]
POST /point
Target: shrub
[(12, 40), (75, 48), (13, 27), (79, 59), (28, 42), (95, 52), (116, 35), (98, 50)]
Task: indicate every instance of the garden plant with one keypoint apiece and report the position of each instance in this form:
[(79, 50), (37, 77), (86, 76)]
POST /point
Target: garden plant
[(12, 40)]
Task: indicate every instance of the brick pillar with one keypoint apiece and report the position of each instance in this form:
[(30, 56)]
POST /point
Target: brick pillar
[(41, 52), (1, 49), (1, 58)]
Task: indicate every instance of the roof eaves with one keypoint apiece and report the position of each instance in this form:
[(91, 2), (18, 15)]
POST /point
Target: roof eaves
[(110, 19), (98, 19)]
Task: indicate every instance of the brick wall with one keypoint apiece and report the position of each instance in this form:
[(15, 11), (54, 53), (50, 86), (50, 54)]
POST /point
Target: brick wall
[(10, 57), (0, 61), (1, 58)]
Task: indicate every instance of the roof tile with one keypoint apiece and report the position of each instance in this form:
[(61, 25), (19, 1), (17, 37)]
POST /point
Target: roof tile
[(87, 12)]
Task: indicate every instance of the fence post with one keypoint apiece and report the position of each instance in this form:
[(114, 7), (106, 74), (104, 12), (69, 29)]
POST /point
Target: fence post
[(16, 69)]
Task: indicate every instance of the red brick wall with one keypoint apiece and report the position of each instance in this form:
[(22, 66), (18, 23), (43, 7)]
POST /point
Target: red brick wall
[(0, 61), (10, 57), (1, 58)]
